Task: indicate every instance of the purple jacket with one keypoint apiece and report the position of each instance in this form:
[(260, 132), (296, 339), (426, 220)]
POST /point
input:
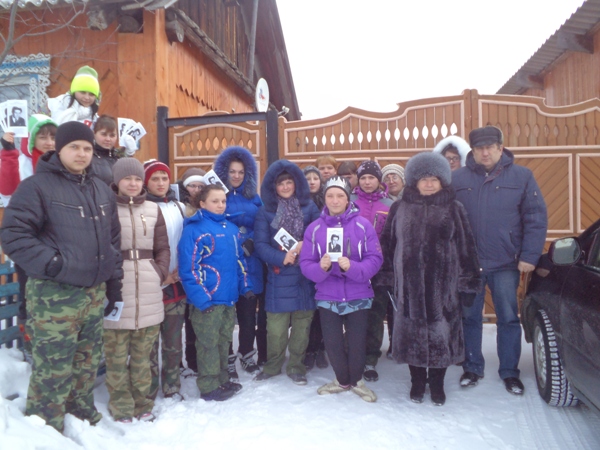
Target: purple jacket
[(374, 206), (360, 244)]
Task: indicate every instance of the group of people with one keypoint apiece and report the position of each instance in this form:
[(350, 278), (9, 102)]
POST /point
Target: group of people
[(110, 255)]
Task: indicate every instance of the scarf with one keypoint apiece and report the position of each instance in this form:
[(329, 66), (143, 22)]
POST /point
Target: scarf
[(289, 216)]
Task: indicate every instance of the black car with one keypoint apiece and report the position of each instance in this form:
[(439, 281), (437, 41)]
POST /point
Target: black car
[(561, 317)]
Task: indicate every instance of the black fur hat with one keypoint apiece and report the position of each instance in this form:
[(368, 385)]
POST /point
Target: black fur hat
[(427, 164)]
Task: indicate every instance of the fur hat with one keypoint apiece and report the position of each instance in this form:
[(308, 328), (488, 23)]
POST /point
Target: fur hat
[(489, 135), (457, 142), (86, 80), (191, 175), (393, 168), (369, 168), (72, 131), (427, 164), (155, 166), (125, 167), (338, 182)]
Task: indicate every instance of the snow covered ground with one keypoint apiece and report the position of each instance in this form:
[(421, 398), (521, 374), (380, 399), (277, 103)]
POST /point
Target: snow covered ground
[(277, 414)]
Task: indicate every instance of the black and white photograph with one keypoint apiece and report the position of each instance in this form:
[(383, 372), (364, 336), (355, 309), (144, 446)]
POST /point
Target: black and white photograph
[(14, 117), (335, 237), (285, 239), (211, 177)]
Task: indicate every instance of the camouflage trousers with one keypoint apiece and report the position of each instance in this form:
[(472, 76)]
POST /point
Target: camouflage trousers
[(214, 331), (128, 383), (66, 326), (171, 350)]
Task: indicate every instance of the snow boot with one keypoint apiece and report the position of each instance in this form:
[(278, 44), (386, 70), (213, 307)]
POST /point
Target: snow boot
[(333, 388), (370, 373), (233, 375), (436, 386), (418, 378), (248, 364)]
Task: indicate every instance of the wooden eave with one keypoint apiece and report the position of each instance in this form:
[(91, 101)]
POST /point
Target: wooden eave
[(579, 27)]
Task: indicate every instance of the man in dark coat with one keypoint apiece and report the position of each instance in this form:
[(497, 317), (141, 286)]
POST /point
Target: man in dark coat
[(62, 228), (509, 220)]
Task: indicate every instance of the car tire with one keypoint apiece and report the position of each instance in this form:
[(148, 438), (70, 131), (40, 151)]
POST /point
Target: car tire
[(550, 377)]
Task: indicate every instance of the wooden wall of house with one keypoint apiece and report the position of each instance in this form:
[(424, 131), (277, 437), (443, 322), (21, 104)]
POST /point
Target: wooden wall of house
[(575, 78)]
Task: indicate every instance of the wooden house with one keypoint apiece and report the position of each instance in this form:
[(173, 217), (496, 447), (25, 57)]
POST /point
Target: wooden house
[(191, 56)]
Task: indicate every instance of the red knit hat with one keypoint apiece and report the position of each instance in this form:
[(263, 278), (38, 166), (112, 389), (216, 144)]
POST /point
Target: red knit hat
[(155, 166)]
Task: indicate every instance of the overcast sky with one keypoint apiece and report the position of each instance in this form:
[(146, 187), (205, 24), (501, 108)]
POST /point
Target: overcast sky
[(374, 54)]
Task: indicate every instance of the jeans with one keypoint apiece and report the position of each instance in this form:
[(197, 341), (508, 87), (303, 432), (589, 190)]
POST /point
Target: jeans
[(503, 286)]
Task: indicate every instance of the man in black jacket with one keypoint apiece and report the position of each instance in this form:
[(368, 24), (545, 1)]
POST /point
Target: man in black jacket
[(62, 228)]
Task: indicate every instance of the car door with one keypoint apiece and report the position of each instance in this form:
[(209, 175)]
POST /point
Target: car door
[(580, 321)]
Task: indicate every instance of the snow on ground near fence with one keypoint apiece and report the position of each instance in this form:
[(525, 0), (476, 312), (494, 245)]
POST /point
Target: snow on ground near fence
[(277, 414)]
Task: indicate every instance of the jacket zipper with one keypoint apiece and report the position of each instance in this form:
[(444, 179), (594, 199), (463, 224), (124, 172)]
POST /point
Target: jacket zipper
[(80, 208), (135, 264), (143, 223)]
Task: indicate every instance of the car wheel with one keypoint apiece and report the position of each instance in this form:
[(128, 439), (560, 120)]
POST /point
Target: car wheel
[(550, 377)]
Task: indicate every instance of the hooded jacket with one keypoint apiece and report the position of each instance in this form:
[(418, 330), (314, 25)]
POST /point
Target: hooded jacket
[(63, 227), (143, 230), (212, 267), (373, 206), (429, 244), (461, 145), (244, 200), (287, 289), (506, 211), (360, 244)]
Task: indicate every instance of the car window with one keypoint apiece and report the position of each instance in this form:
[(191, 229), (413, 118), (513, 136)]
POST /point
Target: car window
[(594, 255)]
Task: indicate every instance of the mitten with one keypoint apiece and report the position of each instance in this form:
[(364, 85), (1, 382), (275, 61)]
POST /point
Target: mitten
[(129, 144), (248, 247)]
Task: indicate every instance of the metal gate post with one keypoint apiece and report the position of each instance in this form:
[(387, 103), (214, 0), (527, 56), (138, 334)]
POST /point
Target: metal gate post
[(162, 134), (272, 137)]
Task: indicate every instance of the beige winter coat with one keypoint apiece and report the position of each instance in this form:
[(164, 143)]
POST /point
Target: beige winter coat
[(143, 233)]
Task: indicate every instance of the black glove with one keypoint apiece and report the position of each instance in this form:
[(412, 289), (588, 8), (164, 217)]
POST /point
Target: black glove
[(248, 247), (250, 295), (208, 310), (467, 298), (54, 266), (113, 295)]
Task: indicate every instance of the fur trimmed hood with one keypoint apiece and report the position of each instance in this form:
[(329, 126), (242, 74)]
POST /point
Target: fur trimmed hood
[(463, 147), (248, 187), (267, 188)]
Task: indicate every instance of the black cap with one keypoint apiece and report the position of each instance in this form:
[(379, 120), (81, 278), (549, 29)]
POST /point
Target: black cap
[(72, 131), (489, 135)]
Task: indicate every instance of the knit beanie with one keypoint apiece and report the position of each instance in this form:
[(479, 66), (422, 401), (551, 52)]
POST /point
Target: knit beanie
[(428, 164), (72, 131), (86, 80), (338, 182), (369, 168), (35, 122), (155, 166), (309, 169), (125, 167), (393, 168), (191, 175)]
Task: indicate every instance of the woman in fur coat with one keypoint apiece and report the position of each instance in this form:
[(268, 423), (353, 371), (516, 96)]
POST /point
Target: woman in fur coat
[(429, 244)]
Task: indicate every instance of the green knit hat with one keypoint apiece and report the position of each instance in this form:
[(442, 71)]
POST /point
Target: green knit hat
[(86, 80), (35, 122)]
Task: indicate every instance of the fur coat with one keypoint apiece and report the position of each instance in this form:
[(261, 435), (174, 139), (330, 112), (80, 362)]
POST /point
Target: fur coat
[(429, 243)]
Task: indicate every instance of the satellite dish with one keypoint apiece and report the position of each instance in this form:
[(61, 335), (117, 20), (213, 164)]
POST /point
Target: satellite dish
[(261, 96)]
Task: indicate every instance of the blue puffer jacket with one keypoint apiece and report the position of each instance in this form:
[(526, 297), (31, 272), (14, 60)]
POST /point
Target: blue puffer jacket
[(287, 289), (506, 211), (212, 267), (243, 203)]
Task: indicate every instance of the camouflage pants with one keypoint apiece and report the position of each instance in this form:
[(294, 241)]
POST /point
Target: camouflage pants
[(129, 384), (171, 350), (66, 326), (213, 337), (375, 326)]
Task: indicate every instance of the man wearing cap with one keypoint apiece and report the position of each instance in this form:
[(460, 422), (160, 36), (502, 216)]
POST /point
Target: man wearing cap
[(63, 229), (509, 220)]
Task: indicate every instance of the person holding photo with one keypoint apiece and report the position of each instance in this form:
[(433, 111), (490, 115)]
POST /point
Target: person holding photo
[(289, 295), (344, 293)]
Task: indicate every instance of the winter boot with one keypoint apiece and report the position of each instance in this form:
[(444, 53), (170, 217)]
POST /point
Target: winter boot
[(436, 386), (309, 360), (364, 392), (233, 375), (333, 388), (370, 373), (248, 364), (418, 378), (322, 362)]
